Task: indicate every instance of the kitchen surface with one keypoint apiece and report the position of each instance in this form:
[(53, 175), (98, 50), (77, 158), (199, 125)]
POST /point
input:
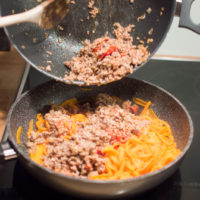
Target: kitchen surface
[(175, 67), (11, 69), (182, 79)]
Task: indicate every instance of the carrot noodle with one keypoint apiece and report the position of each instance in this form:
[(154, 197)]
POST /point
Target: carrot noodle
[(146, 107), (70, 102), (40, 123), (141, 154), (40, 151), (19, 130), (150, 150), (30, 128), (152, 114), (43, 125), (140, 102)]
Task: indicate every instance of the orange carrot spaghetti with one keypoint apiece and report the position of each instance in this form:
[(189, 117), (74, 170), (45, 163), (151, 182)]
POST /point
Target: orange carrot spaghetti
[(43, 125), (93, 144), (150, 151), (19, 130)]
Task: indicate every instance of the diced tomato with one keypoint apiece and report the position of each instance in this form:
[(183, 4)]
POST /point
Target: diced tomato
[(97, 48), (116, 147), (99, 152), (134, 108), (137, 133), (108, 52), (123, 139), (106, 39), (88, 167)]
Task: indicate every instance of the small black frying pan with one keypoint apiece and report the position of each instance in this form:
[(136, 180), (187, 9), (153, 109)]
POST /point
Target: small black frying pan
[(34, 43), (164, 104)]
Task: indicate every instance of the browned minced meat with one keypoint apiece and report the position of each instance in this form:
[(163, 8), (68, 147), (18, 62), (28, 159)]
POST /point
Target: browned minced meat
[(142, 17), (91, 67), (93, 10), (82, 155), (48, 68), (149, 10), (90, 3)]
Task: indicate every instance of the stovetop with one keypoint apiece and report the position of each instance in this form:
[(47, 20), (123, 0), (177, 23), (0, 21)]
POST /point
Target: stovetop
[(182, 79)]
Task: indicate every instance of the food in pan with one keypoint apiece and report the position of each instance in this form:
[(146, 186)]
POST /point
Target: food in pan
[(107, 59), (93, 9), (102, 138)]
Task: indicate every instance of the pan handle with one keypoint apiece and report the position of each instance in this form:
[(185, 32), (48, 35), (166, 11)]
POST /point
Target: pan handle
[(6, 152), (185, 19)]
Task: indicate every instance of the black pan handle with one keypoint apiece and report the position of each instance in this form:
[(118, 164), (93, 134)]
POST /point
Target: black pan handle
[(185, 19), (6, 152)]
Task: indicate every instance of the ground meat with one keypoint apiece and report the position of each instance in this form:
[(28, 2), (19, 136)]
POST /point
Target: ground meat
[(93, 10), (150, 32), (90, 3), (48, 68), (107, 59), (149, 10), (109, 120), (149, 40), (142, 17)]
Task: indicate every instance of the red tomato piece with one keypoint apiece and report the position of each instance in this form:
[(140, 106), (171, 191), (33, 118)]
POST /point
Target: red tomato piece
[(134, 108)]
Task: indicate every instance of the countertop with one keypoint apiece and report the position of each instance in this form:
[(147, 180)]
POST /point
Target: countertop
[(11, 69), (179, 44)]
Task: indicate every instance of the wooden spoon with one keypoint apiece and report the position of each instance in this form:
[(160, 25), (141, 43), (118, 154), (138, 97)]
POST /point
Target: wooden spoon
[(47, 15)]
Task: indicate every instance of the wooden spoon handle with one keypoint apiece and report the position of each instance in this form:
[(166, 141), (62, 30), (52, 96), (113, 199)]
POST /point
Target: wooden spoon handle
[(12, 19), (33, 15)]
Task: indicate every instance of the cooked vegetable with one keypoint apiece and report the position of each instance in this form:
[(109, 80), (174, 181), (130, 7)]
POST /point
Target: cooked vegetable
[(19, 130), (105, 138), (141, 154), (108, 52)]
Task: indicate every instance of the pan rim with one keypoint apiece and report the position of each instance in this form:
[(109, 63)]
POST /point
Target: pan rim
[(85, 180)]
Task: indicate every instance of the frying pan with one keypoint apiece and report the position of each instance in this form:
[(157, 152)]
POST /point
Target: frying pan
[(33, 43), (164, 104)]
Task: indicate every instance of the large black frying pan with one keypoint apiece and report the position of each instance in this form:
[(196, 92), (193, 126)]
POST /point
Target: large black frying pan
[(33, 42), (164, 104)]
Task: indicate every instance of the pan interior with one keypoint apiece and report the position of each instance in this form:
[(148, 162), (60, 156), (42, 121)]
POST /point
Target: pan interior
[(33, 42), (164, 105)]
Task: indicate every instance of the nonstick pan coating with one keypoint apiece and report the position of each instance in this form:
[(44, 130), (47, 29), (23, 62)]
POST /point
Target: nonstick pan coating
[(164, 104), (33, 42)]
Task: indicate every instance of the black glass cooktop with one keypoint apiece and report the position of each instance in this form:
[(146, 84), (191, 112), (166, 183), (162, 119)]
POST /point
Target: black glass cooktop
[(182, 79)]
